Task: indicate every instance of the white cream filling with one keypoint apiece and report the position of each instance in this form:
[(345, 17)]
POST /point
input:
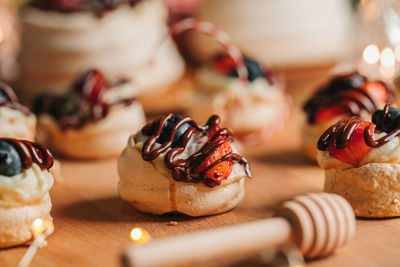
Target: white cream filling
[(218, 94), (27, 187), (123, 91), (210, 81), (16, 124)]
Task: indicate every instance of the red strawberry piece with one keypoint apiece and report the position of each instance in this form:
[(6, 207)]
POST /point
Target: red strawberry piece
[(224, 64), (329, 113), (377, 90), (91, 84), (357, 148), (220, 171)]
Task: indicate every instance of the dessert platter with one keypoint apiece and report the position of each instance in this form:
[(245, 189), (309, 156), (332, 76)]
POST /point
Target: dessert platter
[(94, 212), (221, 183)]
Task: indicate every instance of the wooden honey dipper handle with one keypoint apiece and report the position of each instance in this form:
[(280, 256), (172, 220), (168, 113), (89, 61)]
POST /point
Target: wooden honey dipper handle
[(318, 223)]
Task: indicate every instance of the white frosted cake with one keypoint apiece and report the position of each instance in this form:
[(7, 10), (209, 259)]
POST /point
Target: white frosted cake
[(58, 44), (284, 32)]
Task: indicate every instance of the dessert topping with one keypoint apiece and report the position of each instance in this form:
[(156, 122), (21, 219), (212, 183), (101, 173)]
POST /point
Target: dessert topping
[(350, 140), (16, 155), (224, 64), (80, 105), (349, 95), (211, 164)]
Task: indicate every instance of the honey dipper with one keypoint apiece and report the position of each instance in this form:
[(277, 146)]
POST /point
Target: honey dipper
[(317, 222)]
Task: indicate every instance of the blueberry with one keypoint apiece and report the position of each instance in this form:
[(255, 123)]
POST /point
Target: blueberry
[(386, 123), (10, 161), (347, 81), (3, 96), (166, 132), (254, 69)]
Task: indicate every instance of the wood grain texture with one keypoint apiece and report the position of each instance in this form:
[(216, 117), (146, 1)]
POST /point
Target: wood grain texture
[(92, 223)]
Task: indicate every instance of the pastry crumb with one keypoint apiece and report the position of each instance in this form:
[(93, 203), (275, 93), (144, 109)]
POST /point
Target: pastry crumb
[(396, 201), (173, 223)]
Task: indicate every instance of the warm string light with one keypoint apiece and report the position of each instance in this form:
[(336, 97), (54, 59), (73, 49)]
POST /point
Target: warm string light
[(139, 236), (371, 54), (387, 58), (41, 229)]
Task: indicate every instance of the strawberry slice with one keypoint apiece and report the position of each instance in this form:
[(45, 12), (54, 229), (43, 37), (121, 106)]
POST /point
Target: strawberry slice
[(220, 171), (329, 113), (224, 64), (90, 84), (357, 148), (376, 90)]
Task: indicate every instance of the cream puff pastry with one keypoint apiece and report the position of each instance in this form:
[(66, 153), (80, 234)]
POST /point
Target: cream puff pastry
[(24, 189), (91, 120), (362, 162), (254, 112), (342, 97), (15, 119), (175, 165)]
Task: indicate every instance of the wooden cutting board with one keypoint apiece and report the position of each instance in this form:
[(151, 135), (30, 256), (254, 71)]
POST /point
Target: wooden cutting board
[(92, 223)]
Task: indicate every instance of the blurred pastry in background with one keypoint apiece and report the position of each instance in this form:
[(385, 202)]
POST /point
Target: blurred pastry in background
[(63, 38), (284, 33), (253, 111), (346, 95), (361, 160), (175, 165), (15, 119), (25, 182), (92, 119)]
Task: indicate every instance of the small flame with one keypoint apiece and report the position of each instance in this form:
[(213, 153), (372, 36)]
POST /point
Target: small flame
[(387, 57), (371, 54), (139, 235)]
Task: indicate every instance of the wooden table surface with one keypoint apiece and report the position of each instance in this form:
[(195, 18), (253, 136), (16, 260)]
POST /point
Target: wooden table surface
[(92, 223)]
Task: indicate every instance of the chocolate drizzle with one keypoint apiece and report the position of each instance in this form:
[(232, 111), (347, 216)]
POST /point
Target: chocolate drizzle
[(345, 92), (340, 134), (31, 152), (187, 170), (82, 104), (9, 99)]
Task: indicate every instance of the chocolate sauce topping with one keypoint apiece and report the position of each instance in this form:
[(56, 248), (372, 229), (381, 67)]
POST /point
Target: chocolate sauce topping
[(9, 99), (31, 152), (344, 91), (187, 170), (99, 7), (340, 134), (82, 104)]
